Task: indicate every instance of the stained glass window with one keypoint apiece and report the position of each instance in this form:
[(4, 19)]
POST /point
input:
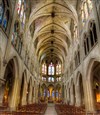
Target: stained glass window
[(56, 93), (90, 5), (1, 11), (51, 69), (43, 79), (44, 92), (82, 16), (53, 93), (21, 6), (86, 8), (22, 12), (4, 14), (44, 68), (50, 79), (23, 21), (59, 78), (58, 69), (15, 33), (48, 93), (5, 20)]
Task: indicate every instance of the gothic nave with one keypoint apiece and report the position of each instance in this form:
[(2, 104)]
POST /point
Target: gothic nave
[(49, 57)]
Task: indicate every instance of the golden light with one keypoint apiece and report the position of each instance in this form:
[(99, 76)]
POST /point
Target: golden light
[(98, 97)]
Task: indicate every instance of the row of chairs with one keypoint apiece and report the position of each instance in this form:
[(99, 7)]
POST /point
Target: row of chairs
[(31, 109), (64, 109), (3, 107)]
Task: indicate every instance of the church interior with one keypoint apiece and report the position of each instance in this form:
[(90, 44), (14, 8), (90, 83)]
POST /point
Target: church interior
[(49, 57)]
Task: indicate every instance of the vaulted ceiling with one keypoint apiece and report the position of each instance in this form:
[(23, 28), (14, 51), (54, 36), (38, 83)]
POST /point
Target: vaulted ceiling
[(52, 27)]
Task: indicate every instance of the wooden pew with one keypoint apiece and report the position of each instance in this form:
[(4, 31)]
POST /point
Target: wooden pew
[(63, 109), (31, 109)]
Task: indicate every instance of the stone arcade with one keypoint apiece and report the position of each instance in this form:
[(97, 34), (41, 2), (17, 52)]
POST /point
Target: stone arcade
[(50, 53)]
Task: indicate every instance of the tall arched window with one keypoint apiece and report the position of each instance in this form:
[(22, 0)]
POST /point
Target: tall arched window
[(17, 38), (44, 68), (15, 33), (90, 5), (4, 13), (2, 9), (93, 33), (6, 19), (82, 16), (20, 46), (51, 69), (86, 44), (77, 55), (58, 69), (86, 8), (90, 39), (21, 7)]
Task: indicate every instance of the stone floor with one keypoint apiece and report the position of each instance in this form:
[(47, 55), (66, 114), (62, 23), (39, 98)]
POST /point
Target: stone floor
[(50, 110)]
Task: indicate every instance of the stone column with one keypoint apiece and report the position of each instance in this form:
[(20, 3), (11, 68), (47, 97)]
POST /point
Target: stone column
[(68, 96), (33, 96), (65, 96), (30, 95), (55, 94), (88, 96), (71, 96), (24, 95), (14, 98), (78, 95), (37, 94), (2, 87)]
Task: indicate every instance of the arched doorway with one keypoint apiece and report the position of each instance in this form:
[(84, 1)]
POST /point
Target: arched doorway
[(9, 82), (51, 93), (95, 84)]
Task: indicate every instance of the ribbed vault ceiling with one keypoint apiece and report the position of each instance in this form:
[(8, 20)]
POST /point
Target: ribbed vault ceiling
[(52, 23)]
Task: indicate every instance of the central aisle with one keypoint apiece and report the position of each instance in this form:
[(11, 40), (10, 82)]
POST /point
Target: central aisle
[(50, 110)]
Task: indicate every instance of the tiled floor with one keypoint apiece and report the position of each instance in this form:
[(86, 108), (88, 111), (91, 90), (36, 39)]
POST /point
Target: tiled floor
[(50, 110)]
